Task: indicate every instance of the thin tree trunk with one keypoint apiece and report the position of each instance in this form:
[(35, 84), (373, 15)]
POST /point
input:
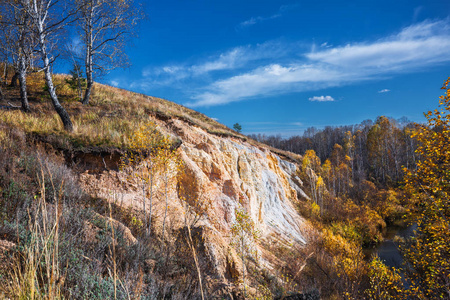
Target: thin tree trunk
[(151, 199), (80, 90), (87, 93), (14, 80), (167, 200), (243, 266), (65, 118), (77, 69), (39, 21), (143, 203), (5, 73), (88, 62), (191, 242), (23, 86)]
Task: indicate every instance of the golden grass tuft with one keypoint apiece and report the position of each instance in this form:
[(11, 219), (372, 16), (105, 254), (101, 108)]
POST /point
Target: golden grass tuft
[(112, 115), (37, 274)]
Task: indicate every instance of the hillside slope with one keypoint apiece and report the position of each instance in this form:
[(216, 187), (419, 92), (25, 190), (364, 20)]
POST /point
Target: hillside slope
[(227, 169)]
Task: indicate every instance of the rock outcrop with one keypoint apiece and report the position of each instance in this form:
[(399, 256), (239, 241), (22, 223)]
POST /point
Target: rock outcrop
[(229, 173)]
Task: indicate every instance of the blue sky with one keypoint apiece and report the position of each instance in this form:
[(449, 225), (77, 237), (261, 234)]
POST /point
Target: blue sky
[(278, 67)]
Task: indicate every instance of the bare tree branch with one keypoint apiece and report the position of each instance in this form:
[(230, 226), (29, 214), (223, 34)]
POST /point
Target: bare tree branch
[(104, 26)]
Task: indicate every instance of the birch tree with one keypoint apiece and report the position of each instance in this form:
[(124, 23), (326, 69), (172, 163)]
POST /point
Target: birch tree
[(195, 205), (244, 236), (105, 26), (144, 158), (311, 166), (47, 19), (17, 43)]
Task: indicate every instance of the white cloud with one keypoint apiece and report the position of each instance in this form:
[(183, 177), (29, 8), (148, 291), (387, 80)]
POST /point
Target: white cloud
[(234, 59), (268, 80), (415, 47), (171, 69), (321, 98), (114, 83), (225, 61), (384, 91), (416, 13), (253, 20)]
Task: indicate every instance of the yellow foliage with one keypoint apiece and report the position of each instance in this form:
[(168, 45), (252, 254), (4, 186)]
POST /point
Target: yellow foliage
[(385, 283), (348, 256), (428, 189), (315, 209)]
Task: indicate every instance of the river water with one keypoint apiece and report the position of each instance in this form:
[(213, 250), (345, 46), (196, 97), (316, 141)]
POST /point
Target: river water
[(388, 251)]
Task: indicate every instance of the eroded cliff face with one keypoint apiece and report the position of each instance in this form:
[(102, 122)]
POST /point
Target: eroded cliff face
[(235, 173), (229, 173)]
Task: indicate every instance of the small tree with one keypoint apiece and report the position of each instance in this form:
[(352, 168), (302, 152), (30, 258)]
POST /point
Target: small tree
[(105, 26), (77, 82), (244, 236), (237, 127), (428, 190), (47, 20), (17, 43), (385, 282), (195, 204), (170, 163), (144, 155), (311, 166)]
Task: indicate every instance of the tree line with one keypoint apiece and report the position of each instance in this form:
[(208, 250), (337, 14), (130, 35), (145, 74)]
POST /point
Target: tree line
[(35, 33), (374, 150), (359, 176)]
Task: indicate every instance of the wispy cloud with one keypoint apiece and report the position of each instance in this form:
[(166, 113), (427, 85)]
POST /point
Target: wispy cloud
[(421, 45), (321, 98), (254, 20), (418, 45), (416, 13), (225, 61), (384, 91), (268, 80), (168, 74), (234, 59)]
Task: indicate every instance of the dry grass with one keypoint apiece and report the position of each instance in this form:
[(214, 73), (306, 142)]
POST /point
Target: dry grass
[(71, 246), (37, 274), (113, 114)]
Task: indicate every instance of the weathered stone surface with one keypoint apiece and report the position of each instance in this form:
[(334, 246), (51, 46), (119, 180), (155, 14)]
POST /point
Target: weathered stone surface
[(228, 174), (238, 174)]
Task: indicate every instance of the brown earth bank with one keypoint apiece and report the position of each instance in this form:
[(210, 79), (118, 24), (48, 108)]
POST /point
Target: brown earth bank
[(74, 191), (147, 199)]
